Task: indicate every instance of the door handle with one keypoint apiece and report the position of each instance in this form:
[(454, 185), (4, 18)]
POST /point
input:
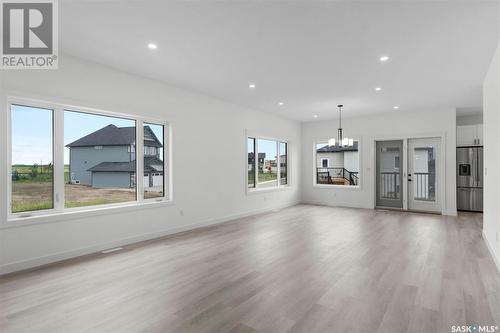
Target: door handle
[(409, 179)]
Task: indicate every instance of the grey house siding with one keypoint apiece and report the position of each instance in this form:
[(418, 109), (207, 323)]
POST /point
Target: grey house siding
[(111, 179), (84, 158)]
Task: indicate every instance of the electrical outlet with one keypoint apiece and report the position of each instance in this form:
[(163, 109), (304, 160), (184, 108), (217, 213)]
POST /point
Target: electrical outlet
[(265, 198)]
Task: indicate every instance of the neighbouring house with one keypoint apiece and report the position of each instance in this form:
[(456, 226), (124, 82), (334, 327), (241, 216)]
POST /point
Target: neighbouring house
[(106, 158), (262, 157)]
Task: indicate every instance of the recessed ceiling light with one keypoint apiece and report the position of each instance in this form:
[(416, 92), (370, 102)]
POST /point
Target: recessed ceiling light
[(378, 89), (315, 116), (251, 85), (384, 58), (395, 107), (152, 46), (281, 103)]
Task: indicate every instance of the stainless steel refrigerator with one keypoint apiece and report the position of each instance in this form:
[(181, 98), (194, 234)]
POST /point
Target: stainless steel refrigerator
[(470, 179)]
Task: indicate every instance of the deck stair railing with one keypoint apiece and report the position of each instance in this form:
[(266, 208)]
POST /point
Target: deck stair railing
[(338, 176)]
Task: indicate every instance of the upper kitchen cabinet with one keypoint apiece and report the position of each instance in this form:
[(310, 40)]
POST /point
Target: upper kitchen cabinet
[(470, 135)]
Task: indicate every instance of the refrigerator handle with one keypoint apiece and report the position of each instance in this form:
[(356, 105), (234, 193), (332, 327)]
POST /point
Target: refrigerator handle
[(476, 160), (477, 168), (479, 176)]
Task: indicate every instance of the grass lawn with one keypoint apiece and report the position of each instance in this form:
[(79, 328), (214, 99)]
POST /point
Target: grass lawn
[(38, 195), (33, 190), (268, 176)]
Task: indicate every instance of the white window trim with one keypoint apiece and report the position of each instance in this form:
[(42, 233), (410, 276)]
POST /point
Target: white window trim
[(47, 215), (279, 187), (336, 187)]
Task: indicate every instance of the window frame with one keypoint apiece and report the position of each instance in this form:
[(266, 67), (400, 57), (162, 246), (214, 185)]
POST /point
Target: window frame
[(167, 167), (46, 215), (333, 186), (327, 162), (278, 187)]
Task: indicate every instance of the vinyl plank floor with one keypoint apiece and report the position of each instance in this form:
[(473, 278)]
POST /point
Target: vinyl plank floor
[(302, 269)]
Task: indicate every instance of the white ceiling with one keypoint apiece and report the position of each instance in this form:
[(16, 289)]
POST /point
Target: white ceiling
[(310, 55)]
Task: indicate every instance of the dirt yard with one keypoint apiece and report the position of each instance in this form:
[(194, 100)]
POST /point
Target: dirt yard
[(33, 196)]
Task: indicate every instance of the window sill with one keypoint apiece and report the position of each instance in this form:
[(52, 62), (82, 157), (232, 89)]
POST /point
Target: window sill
[(71, 214), (338, 187), (270, 189)]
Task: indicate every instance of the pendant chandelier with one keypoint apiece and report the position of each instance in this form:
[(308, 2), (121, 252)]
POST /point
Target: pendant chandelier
[(341, 141)]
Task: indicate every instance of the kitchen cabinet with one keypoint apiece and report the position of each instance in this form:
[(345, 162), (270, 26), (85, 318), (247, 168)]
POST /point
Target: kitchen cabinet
[(470, 135)]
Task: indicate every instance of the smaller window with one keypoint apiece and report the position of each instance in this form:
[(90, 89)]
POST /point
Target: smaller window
[(98, 147), (267, 163), (337, 165)]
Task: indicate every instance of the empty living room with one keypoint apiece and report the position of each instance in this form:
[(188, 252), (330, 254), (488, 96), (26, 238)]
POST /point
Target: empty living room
[(249, 166)]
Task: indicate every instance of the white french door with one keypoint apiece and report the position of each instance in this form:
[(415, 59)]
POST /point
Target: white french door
[(423, 176)]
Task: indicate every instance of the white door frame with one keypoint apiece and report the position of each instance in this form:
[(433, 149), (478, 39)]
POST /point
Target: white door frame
[(436, 205), (442, 167)]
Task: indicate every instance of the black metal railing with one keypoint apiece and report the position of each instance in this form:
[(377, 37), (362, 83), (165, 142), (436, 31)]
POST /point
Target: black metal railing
[(340, 176), (425, 188), (389, 185)]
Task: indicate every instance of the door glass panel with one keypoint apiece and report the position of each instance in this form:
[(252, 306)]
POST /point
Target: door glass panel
[(424, 173), (389, 175)]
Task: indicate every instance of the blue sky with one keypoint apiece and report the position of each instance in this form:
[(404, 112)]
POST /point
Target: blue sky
[(32, 132), (265, 146), (268, 147)]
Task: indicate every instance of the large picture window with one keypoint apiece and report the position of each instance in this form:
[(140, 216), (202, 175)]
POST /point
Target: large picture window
[(32, 168), (267, 163), (337, 165), (99, 162), (67, 158)]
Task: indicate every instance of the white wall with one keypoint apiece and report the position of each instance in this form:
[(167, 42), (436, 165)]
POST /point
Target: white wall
[(367, 129), (491, 114), (205, 132), (351, 161)]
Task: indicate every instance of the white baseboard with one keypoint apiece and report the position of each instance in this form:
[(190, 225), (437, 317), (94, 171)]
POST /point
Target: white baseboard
[(336, 204), (492, 252), (49, 259), (450, 213)]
